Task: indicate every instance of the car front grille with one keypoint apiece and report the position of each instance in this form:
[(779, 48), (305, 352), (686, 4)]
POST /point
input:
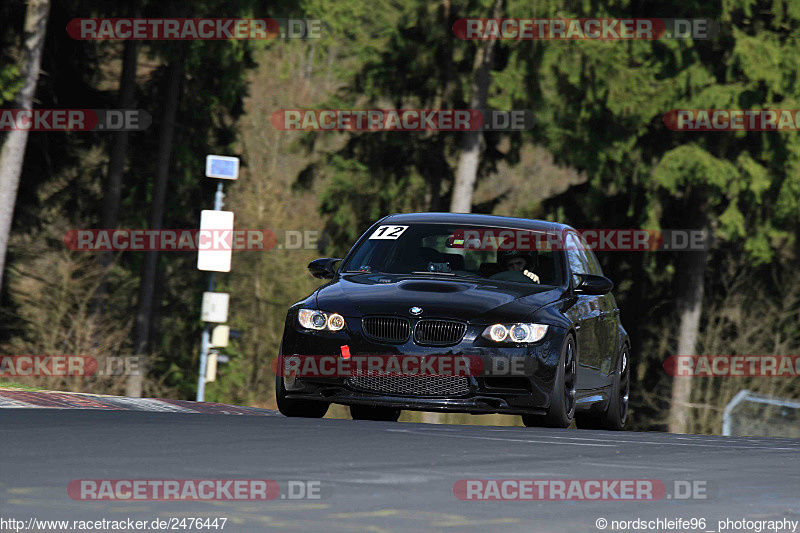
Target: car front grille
[(386, 328), (439, 332), (412, 385)]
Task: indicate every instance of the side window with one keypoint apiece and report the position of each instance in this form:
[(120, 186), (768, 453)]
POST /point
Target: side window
[(577, 263), (592, 262)]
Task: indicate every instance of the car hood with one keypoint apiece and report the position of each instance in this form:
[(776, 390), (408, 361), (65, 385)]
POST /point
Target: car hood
[(477, 300)]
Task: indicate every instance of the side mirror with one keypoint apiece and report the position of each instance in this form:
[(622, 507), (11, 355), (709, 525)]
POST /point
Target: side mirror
[(323, 268), (594, 285)]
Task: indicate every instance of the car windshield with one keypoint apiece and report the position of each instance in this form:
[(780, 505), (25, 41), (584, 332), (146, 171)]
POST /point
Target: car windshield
[(449, 251)]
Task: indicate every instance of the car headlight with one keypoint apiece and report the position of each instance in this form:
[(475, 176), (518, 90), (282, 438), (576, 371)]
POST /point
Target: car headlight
[(319, 320), (335, 322), (515, 332), (498, 332)]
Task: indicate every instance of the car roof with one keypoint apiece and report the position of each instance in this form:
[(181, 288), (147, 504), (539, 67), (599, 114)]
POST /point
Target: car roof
[(476, 220)]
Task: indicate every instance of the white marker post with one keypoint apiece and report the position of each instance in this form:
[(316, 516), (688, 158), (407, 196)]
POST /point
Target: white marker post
[(227, 168)]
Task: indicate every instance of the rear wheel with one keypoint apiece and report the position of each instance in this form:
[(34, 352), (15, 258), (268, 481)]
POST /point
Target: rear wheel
[(296, 408), (562, 404), (369, 412), (616, 414)]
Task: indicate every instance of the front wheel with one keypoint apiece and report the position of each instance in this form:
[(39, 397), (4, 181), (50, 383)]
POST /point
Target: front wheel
[(368, 412), (296, 408), (562, 402)]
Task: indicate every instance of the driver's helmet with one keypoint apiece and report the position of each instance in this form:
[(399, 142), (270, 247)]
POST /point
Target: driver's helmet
[(504, 256)]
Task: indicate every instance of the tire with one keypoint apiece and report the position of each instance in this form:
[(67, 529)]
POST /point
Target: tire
[(562, 403), (296, 408), (616, 414), (369, 412)]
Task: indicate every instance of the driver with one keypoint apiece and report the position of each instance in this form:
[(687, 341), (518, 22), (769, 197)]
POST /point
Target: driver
[(514, 261)]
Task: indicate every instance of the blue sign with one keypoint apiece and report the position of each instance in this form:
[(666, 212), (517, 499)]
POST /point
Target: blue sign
[(223, 167)]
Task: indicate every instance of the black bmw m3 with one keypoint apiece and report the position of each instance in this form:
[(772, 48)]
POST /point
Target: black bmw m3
[(523, 304)]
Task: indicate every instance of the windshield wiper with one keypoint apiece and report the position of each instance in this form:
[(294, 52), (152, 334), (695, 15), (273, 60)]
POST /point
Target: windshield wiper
[(435, 273)]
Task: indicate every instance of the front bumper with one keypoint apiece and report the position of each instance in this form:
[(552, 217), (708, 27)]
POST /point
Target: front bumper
[(525, 390), (476, 404)]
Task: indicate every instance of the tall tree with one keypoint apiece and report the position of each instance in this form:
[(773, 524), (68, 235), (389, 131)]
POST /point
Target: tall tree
[(147, 283), (12, 153), (602, 110), (469, 160), (112, 187), (411, 59)]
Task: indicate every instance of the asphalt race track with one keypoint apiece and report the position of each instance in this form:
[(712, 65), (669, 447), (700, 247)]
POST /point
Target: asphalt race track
[(380, 476)]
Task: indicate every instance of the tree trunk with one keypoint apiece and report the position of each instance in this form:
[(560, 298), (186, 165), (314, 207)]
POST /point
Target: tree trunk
[(112, 188), (443, 100), (691, 276), (160, 179), (156, 311), (12, 155), (467, 173)]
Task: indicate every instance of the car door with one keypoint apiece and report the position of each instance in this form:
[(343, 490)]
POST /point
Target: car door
[(585, 313), (606, 329)]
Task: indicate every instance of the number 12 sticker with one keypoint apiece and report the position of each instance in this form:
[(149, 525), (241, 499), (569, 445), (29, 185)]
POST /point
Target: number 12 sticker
[(388, 232)]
